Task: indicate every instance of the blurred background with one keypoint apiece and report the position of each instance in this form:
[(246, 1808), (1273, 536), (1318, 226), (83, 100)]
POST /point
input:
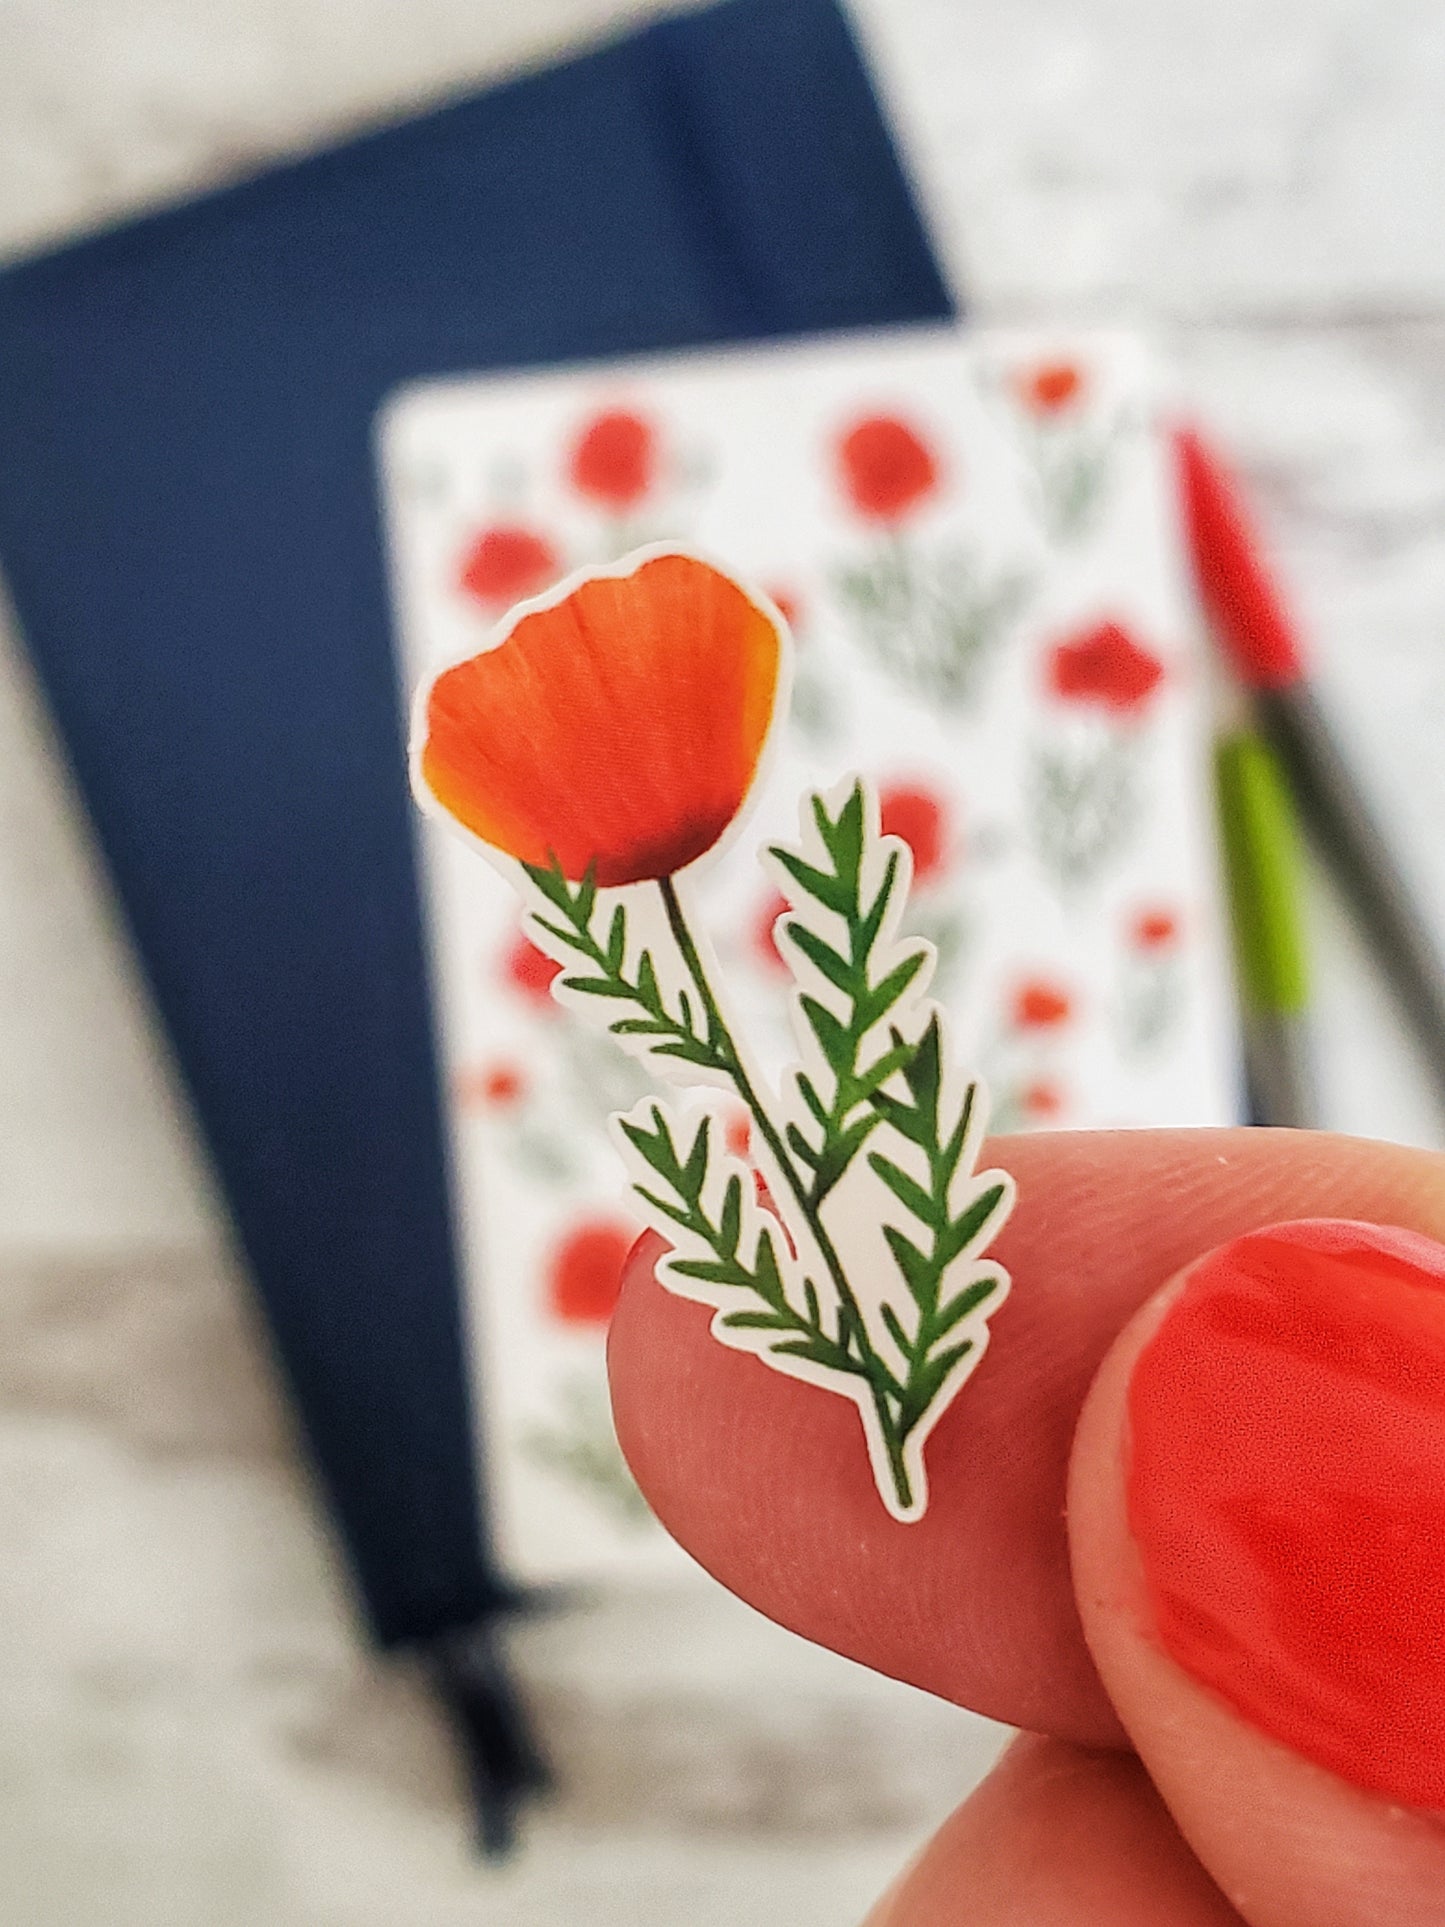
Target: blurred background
[(190, 1728)]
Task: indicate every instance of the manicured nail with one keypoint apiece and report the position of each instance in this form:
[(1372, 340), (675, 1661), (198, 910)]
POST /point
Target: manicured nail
[(1286, 1487)]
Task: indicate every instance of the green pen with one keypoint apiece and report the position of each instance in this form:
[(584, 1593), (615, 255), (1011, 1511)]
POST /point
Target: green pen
[(1263, 871)]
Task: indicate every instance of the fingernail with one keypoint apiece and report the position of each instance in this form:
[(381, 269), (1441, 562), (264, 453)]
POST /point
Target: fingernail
[(1286, 1490)]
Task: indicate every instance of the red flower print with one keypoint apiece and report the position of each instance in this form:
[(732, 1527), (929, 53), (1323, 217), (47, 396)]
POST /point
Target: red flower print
[(1155, 929), (918, 818), (531, 970), (887, 469), (503, 1084), (584, 1276), (738, 1133), (1038, 1005), (1041, 1100), (615, 459), (1104, 665), (765, 941), (1051, 387), (507, 563), (616, 730), (496, 1084)]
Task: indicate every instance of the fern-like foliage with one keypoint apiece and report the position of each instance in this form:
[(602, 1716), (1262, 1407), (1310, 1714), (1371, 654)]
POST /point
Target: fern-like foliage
[(850, 1253), (596, 965), (840, 1125), (951, 1229), (739, 1252)]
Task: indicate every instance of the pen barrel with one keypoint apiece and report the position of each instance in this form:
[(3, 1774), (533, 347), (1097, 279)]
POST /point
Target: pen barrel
[(1262, 869), (1340, 819), (1279, 1070)]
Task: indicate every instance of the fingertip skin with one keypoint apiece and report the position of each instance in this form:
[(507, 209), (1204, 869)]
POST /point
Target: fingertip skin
[(766, 1483)]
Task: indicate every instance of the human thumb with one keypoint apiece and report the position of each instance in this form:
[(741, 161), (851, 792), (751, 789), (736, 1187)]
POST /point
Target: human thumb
[(1257, 1530)]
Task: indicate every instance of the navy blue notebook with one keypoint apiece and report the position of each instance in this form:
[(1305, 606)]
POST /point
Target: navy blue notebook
[(189, 525)]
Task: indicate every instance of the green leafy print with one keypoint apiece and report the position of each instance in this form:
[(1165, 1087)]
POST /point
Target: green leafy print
[(872, 1144)]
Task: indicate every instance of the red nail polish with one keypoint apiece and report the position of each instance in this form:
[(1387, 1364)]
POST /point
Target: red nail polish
[(1286, 1490)]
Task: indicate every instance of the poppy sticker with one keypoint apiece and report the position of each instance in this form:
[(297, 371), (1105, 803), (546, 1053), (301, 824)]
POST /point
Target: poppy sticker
[(608, 740)]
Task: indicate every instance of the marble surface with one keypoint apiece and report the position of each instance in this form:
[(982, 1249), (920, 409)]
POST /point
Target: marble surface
[(190, 1731)]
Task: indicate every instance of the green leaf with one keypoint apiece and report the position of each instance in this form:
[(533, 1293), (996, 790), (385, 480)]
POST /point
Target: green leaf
[(763, 1321), (908, 1191), (884, 995), (922, 1073), (882, 1068), (766, 1277), (640, 1137), (845, 838), (816, 883), (712, 1271), (841, 1151), (691, 1050), (617, 941), (730, 1220), (677, 1214), (549, 879), (896, 1331), (929, 1383), (953, 1150), (585, 900), (810, 1097), (800, 1145), (906, 1119), (694, 1172), (967, 1227), (825, 959), (865, 934), (600, 987), (837, 1046), (647, 992), (659, 1136), (822, 819), (564, 935), (822, 1352), (957, 1308), (916, 1267)]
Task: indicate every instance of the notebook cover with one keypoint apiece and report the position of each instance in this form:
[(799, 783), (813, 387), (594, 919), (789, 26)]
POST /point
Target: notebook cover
[(189, 526)]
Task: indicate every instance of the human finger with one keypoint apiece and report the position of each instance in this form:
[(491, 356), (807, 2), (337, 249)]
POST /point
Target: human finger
[(766, 1482), (1257, 1519)]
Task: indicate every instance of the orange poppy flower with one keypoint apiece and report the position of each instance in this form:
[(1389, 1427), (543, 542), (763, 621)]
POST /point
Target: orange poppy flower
[(617, 728)]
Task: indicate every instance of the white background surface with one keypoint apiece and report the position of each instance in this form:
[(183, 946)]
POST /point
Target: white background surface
[(187, 1731)]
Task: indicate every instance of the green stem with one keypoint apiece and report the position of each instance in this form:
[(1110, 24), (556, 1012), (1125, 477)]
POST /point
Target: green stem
[(721, 1038)]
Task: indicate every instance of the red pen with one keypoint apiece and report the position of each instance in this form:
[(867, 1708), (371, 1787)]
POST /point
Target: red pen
[(1254, 629)]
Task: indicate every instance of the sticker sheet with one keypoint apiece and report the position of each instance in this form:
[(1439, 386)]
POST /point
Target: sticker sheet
[(973, 542)]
